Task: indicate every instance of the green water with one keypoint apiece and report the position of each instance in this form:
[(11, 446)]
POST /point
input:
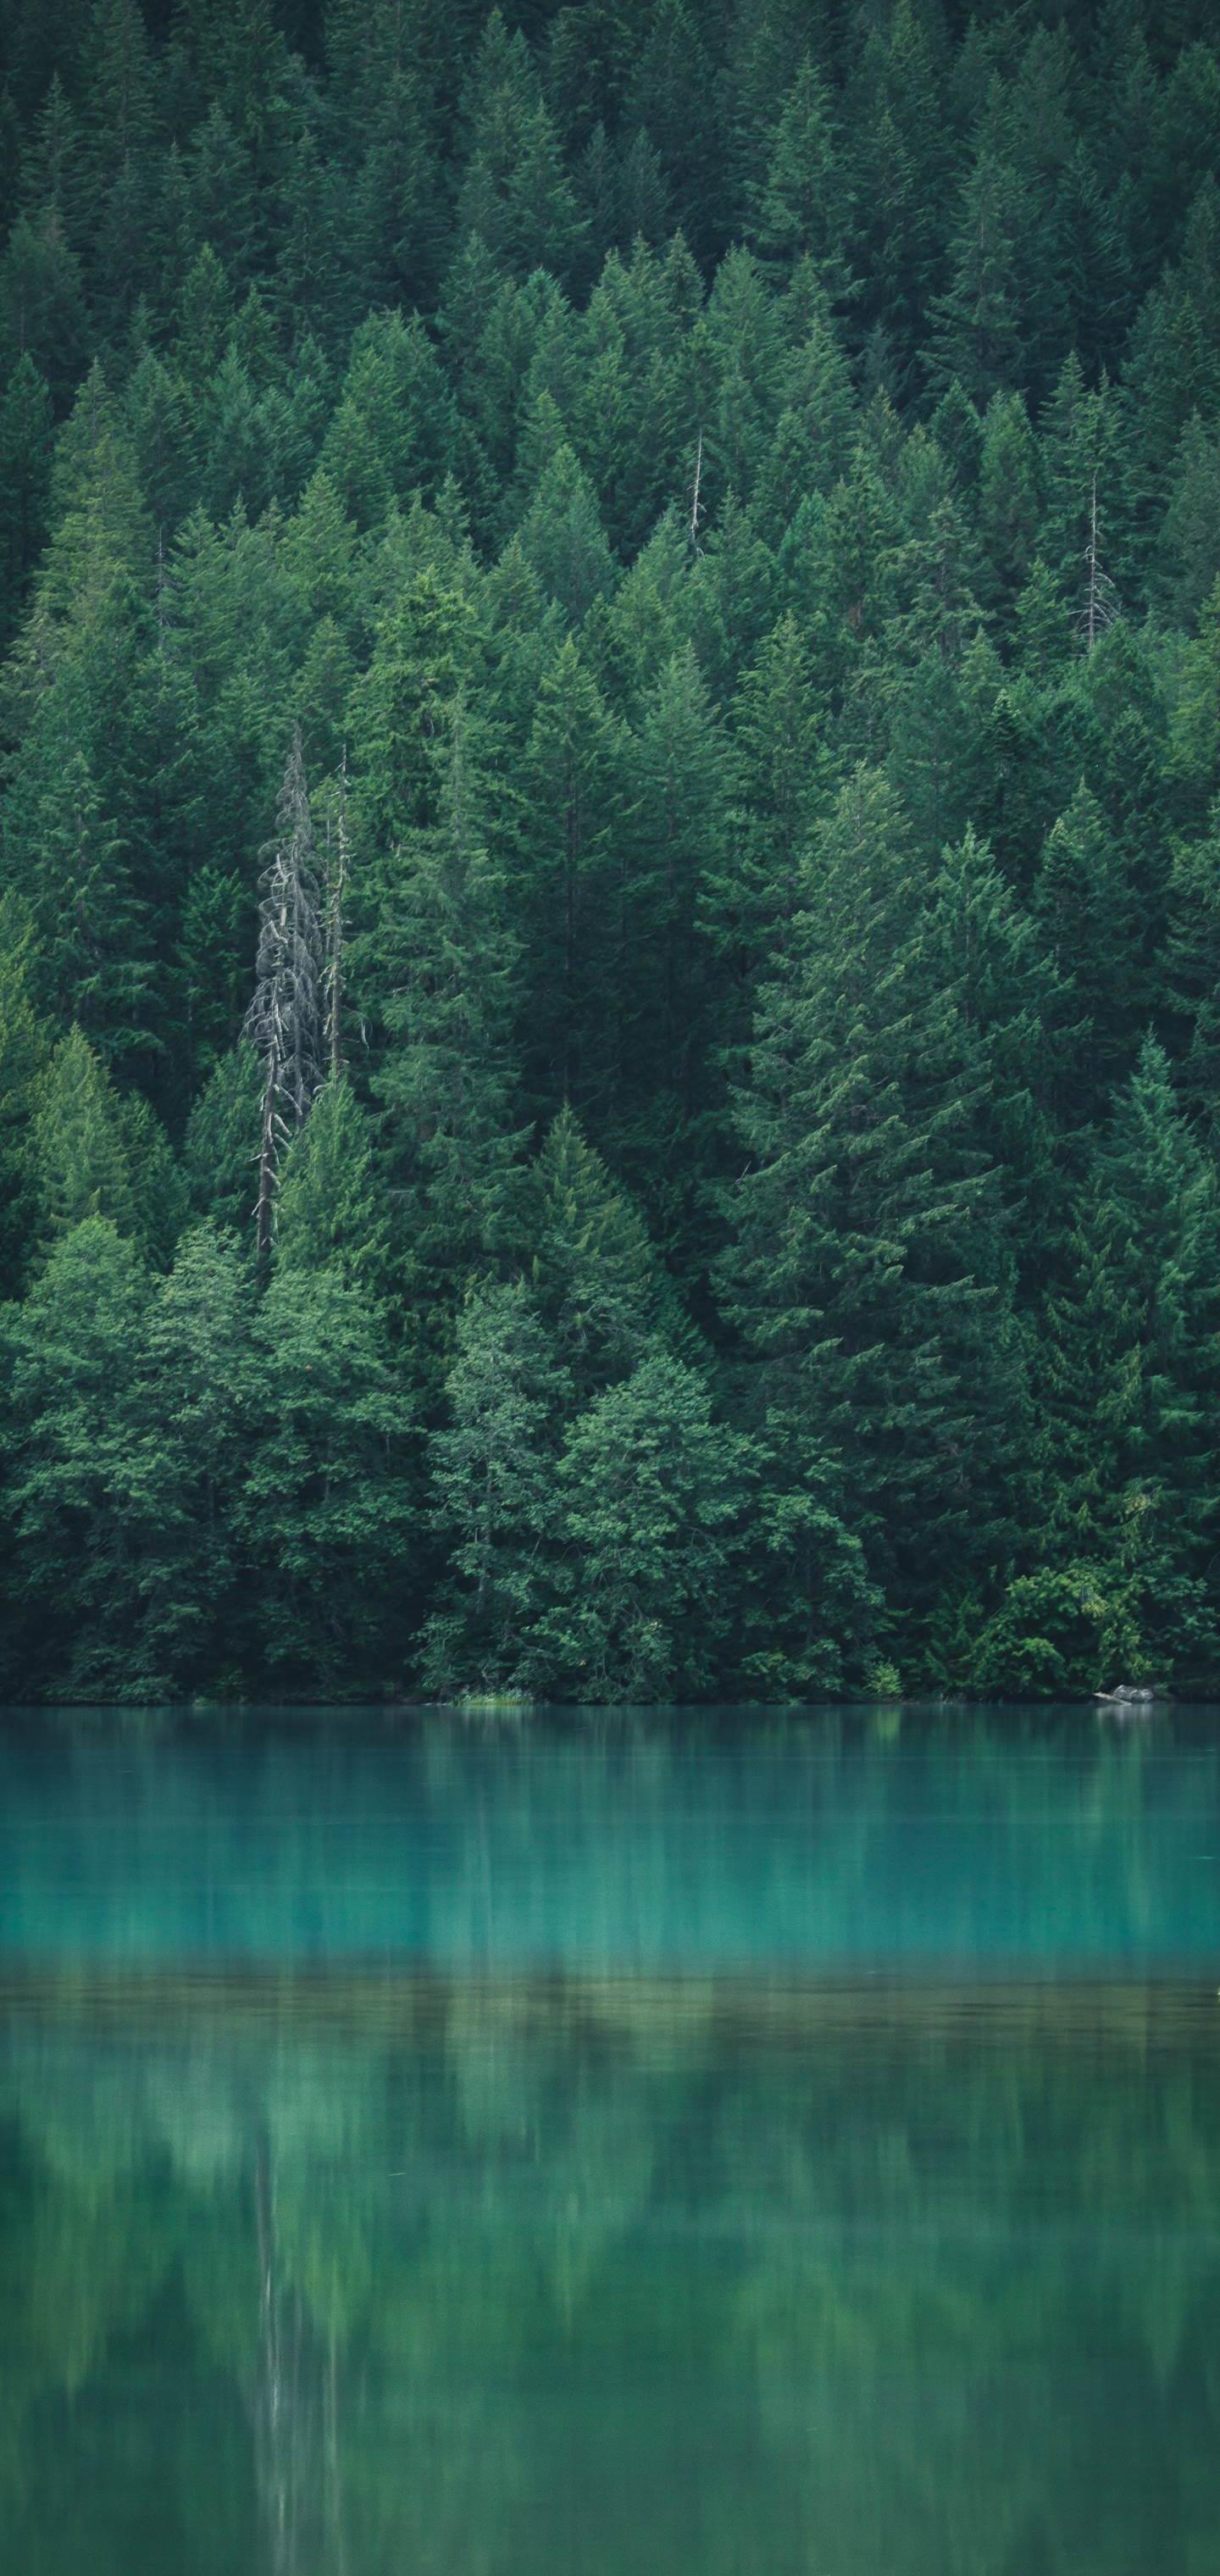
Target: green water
[(640, 2148)]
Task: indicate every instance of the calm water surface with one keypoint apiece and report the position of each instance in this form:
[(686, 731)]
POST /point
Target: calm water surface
[(658, 2147)]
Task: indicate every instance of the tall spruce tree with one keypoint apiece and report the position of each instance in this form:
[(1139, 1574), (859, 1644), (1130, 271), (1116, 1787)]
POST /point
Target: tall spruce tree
[(868, 1272)]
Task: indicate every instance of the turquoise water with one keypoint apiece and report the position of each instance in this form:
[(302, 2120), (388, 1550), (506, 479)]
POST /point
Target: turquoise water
[(649, 2147)]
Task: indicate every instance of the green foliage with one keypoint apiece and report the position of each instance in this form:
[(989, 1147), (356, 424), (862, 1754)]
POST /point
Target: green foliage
[(594, 1274), (220, 1150), (330, 1207), (76, 1500), (325, 1515), (84, 1164), (651, 1491), (22, 1068), (493, 1493), (867, 1269), (725, 500)]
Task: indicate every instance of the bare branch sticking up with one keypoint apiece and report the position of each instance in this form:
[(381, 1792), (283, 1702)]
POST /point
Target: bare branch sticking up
[(284, 1020)]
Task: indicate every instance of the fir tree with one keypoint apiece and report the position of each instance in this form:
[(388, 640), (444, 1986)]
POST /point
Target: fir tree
[(445, 961), (867, 1269), (83, 1166), (493, 1493), (652, 1491)]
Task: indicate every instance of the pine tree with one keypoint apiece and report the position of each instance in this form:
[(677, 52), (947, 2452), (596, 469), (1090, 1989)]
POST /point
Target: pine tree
[(1191, 966), (445, 958), (330, 1207), (221, 1147), (395, 430), (780, 726), (1131, 1359), (573, 880), (515, 193), (562, 536), (901, 172), (83, 1165), (25, 485), (599, 1289), (1083, 902), (979, 322), (72, 1477), (867, 1269), (672, 96), (652, 1491), (402, 711), (1187, 561), (42, 303), (23, 1054), (1010, 504), (1020, 1023), (680, 785), (493, 1494), (799, 206), (326, 1514), (195, 1398)]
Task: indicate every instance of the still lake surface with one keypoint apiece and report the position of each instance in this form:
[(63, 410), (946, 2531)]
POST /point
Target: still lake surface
[(633, 2146)]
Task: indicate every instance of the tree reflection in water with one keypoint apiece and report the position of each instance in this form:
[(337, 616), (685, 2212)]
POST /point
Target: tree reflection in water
[(346, 2273)]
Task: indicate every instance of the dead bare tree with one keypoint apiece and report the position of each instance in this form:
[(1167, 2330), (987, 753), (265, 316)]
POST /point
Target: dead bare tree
[(697, 512), (336, 889), (284, 1020), (1101, 599)]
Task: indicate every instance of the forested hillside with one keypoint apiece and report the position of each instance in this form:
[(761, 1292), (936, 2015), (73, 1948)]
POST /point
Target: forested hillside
[(610, 877)]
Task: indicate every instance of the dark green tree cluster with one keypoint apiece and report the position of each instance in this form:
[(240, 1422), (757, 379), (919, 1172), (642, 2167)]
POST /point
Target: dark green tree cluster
[(609, 847)]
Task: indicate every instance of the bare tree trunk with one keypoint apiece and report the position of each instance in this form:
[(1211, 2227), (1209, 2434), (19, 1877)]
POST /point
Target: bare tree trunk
[(336, 888), (284, 1020), (696, 507), (1101, 603), (268, 1166)]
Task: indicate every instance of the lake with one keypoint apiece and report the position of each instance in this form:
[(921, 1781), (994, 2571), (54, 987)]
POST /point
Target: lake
[(638, 2145)]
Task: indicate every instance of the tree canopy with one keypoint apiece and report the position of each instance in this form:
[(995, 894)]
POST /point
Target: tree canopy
[(609, 848)]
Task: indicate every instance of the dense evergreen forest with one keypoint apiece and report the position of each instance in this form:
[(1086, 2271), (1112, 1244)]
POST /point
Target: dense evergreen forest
[(610, 879)]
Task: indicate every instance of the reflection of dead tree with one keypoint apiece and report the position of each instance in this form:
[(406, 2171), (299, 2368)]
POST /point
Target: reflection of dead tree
[(334, 2485), (289, 2399)]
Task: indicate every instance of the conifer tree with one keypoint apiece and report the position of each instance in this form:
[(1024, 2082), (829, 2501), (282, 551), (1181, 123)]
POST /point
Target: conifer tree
[(867, 1269), (598, 1286), (221, 1146), (572, 830), (1084, 904), (83, 1166), (799, 205), (780, 725), (652, 1490), (445, 959), (493, 1493), (979, 322), (326, 1513), (330, 1206), (25, 485), (71, 1480), (23, 1053), (1131, 1360), (193, 1408), (603, 431), (680, 785)]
